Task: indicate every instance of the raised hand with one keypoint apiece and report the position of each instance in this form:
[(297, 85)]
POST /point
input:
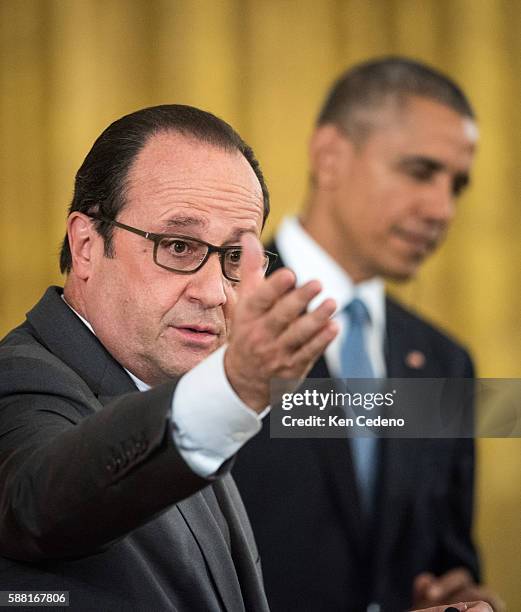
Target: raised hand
[(272, 335)]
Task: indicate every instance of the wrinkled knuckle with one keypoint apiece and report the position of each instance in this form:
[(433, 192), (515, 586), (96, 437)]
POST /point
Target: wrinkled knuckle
[(286, 374), (280, 319), (295, 366), (307, 352), (289, 363), (298, 336), (281, 363)]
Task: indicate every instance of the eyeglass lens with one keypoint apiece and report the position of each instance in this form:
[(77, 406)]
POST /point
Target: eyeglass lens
[(185, 255)]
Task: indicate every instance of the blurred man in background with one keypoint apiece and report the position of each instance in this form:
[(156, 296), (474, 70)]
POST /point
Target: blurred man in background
[(366, 524)]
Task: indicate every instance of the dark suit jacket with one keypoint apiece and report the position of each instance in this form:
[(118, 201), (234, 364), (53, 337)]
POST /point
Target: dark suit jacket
[(301, 497), (94, 497)]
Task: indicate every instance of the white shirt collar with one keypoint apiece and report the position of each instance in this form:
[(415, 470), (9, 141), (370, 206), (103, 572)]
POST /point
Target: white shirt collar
[(310, 261)]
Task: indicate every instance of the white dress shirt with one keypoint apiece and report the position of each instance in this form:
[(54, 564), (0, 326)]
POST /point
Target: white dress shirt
[(309, 261), (210, 422)]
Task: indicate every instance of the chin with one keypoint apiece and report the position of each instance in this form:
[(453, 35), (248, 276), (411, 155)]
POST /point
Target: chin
[(400, 274), (184, 362), (402, 268)]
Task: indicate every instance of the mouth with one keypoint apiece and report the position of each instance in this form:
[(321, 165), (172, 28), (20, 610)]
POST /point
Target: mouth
[(420, 242), (196, 335)]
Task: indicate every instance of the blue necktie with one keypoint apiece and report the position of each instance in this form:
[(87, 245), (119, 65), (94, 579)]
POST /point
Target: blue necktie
[(355, 363)]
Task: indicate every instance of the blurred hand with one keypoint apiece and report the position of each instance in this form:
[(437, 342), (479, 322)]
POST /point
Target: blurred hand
[(271, 334), (473, 606), (455, 585)]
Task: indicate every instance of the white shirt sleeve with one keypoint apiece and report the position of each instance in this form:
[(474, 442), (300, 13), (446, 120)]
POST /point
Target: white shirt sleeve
[(210, 422)]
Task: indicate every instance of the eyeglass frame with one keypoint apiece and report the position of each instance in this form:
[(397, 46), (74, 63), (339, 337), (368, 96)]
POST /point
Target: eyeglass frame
[(156, 239)]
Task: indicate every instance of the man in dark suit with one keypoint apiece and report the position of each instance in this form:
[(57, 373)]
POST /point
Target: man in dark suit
[(123, 497), (390, 154)]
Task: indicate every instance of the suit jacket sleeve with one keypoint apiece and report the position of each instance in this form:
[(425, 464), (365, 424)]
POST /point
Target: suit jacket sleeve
[(75, 476)]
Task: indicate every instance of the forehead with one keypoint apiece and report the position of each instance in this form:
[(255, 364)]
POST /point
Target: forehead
[(422, 125), (176, 175)]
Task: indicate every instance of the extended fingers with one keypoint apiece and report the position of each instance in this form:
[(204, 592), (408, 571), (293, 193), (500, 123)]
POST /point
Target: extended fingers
[(291, 306), (304, 327), (260, 298), (309, 352)]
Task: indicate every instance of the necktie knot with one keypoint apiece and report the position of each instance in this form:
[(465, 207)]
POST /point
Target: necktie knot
[(357, 311), (354, 356)]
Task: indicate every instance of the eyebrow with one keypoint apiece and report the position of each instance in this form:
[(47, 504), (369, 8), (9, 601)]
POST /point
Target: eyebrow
[(427, 162), (461, 179), (184, 221), (181, 223)]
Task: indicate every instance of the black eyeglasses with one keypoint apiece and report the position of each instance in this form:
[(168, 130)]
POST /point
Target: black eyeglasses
[(186, 255)]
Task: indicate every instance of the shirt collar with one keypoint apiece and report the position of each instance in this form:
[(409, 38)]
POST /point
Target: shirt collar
[(310, 261)]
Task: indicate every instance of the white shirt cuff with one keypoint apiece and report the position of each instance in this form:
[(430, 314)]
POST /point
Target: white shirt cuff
[(210, 422)]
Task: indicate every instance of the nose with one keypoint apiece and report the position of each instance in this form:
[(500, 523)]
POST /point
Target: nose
[(438, 204), (207, 285)]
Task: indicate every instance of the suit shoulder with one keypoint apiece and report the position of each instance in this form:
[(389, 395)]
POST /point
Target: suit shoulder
[(418, 327), (28, 366), (22, 346)]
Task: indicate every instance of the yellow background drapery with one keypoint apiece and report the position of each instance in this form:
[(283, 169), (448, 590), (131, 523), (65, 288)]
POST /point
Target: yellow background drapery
[(69, 67)]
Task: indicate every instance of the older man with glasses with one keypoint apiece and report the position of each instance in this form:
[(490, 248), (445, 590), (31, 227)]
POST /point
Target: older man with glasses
[(124, 499)]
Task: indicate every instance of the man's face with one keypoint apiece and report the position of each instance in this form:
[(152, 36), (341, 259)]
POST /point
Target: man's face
[(395, 194), (157, 323)]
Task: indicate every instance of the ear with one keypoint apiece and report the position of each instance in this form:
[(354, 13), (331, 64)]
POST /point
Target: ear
[(329, 152), (82, 237)]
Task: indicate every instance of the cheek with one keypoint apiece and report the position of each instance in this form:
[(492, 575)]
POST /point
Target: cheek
[(148, 300), (160, 296), (388, 204)]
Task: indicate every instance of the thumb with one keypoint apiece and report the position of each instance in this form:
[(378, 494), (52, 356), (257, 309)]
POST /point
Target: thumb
[(251, 266), (421, 585)]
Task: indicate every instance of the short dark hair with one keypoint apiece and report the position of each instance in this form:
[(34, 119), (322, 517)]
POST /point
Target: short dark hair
[(371, 85), (100, 184)]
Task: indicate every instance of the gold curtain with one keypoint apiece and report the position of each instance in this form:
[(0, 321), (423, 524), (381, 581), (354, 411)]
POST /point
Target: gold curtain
[(69, 67)]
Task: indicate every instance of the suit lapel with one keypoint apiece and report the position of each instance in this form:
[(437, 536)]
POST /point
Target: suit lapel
[(336, 456), (214, 548), (243, 547)]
